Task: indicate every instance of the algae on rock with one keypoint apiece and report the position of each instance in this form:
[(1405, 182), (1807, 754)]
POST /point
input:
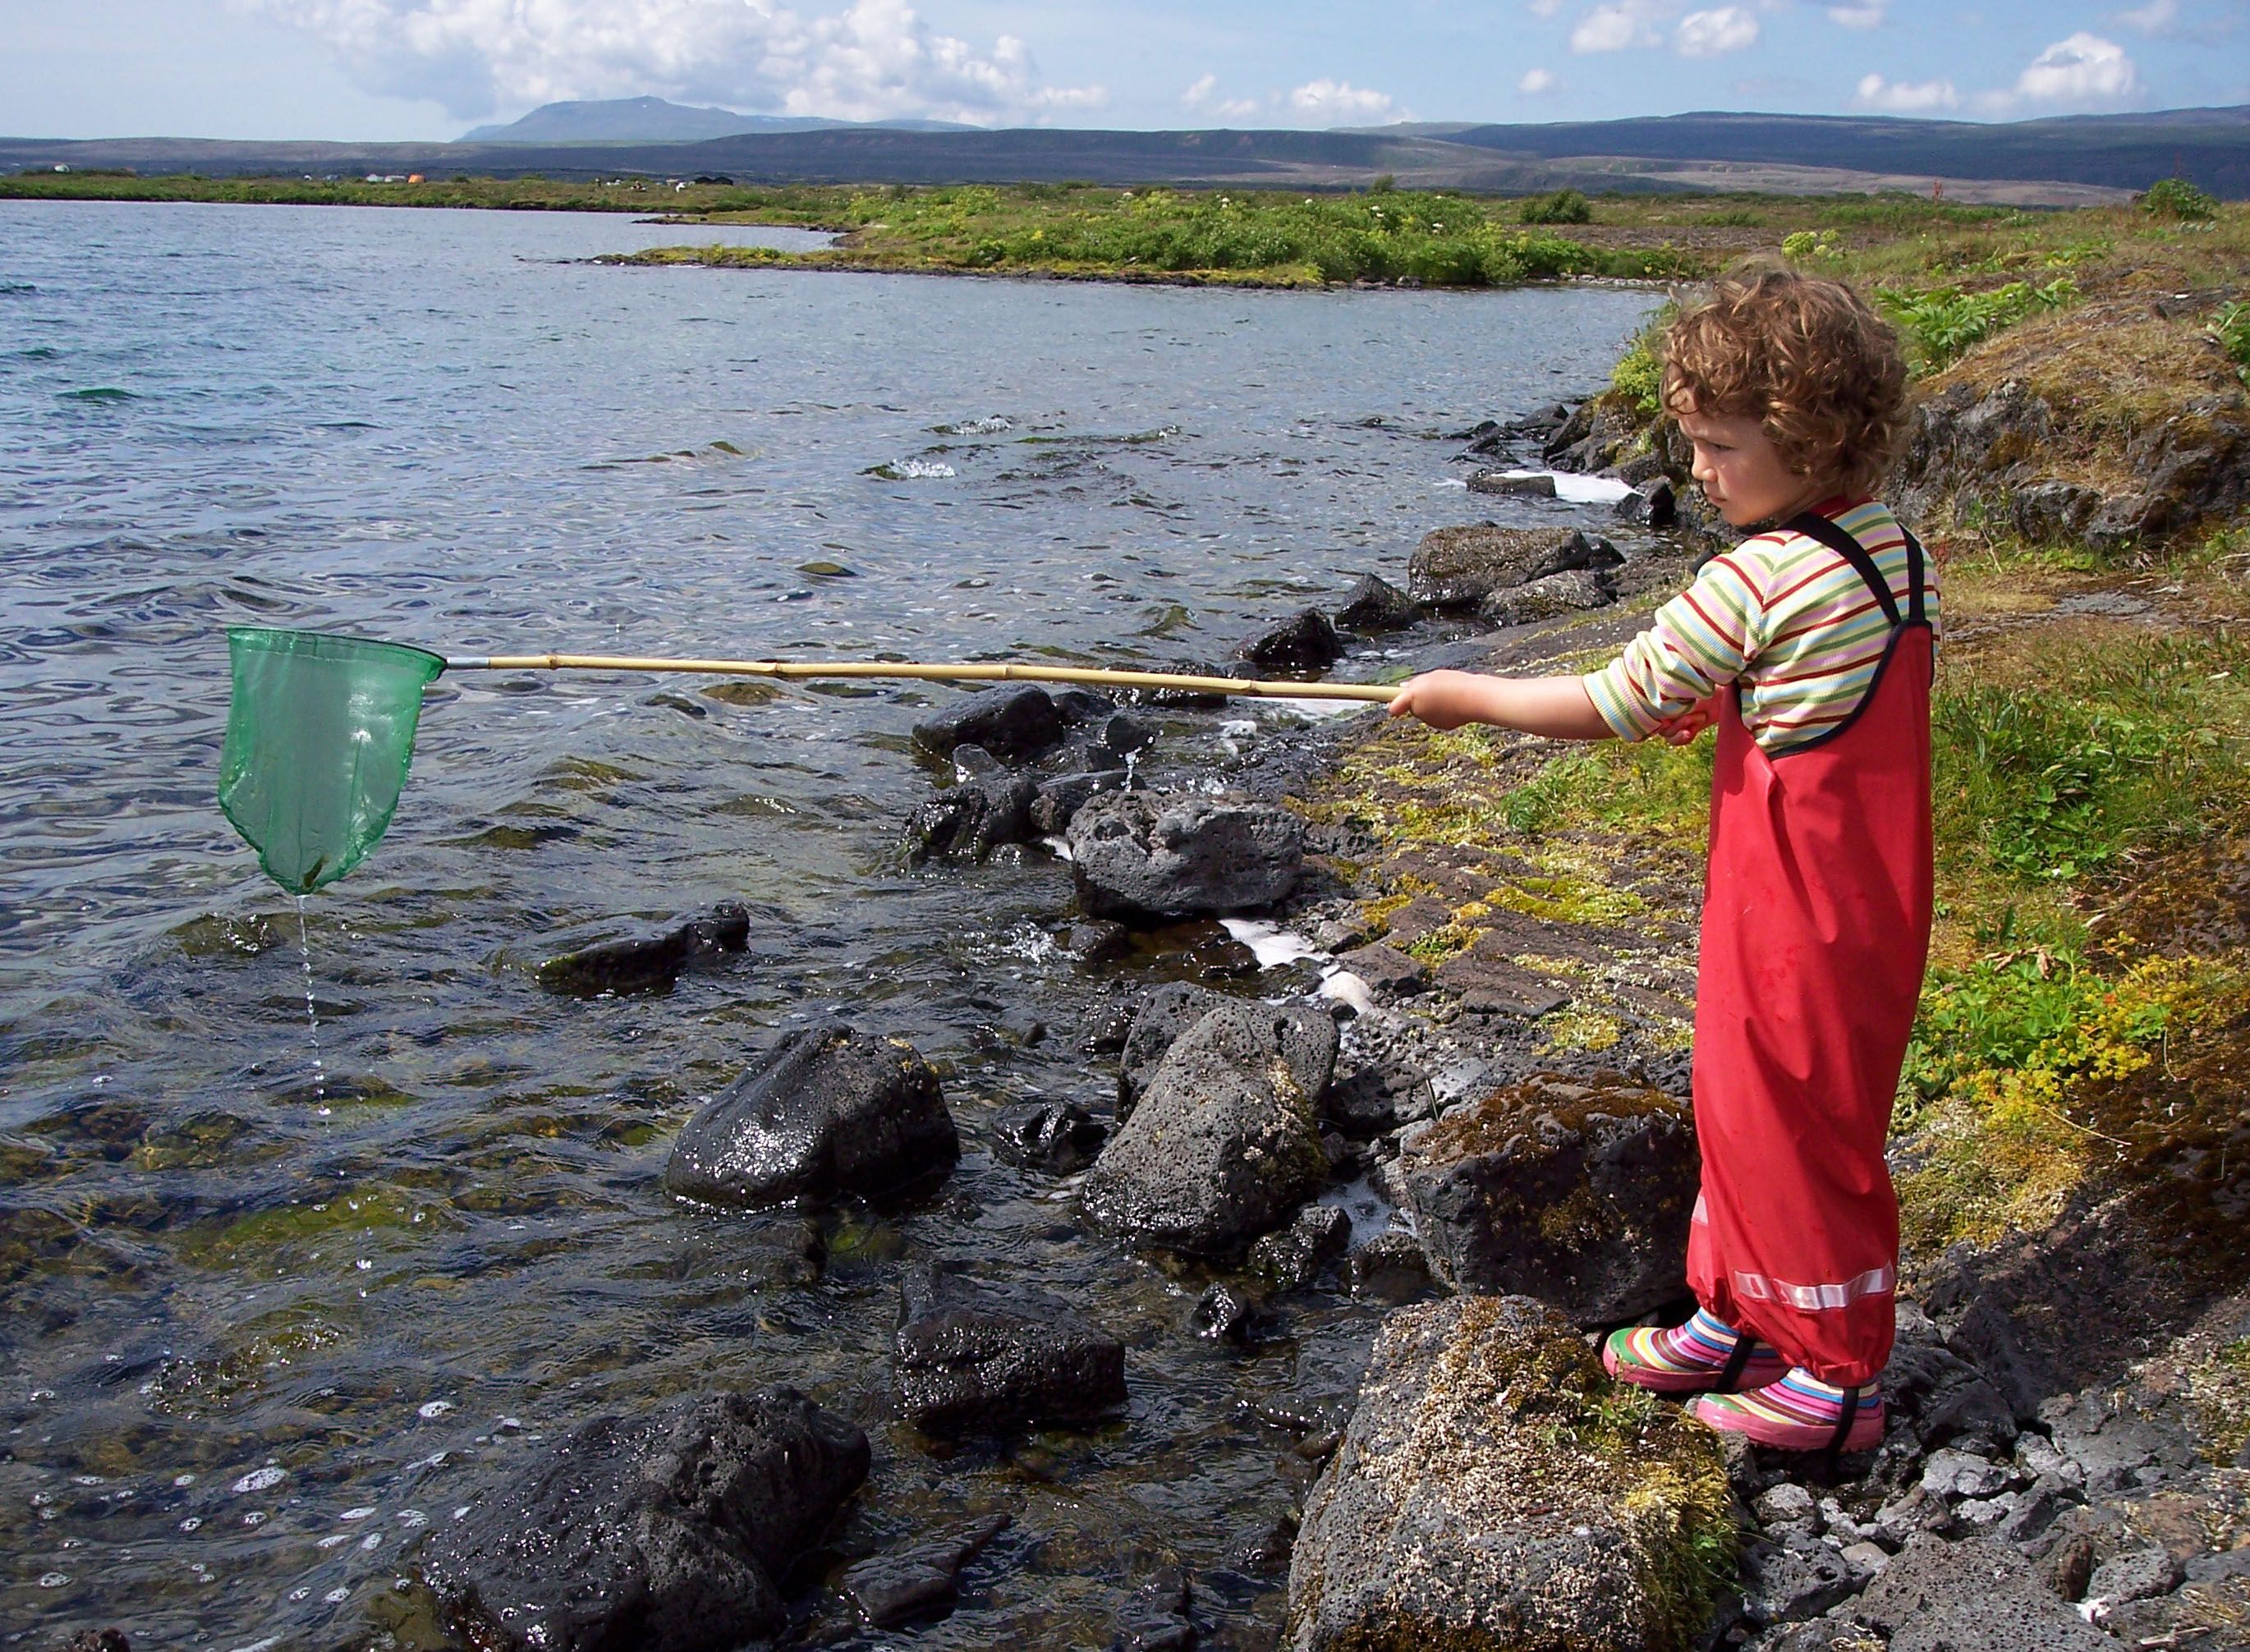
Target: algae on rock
[(1496, 1493)]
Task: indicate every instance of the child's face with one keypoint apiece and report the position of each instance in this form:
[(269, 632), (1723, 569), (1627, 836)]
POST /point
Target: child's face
[(1741, 473)]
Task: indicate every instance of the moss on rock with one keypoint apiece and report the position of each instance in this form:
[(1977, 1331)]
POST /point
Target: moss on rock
[(1496, 1493)]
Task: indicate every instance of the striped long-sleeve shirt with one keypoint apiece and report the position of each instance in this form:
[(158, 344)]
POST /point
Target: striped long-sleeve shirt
[(1781, 614)]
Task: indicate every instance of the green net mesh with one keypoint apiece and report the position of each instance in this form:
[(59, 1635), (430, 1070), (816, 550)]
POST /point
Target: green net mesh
[(318, 738)]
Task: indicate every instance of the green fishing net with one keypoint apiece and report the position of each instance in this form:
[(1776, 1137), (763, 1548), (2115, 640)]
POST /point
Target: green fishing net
[(318, 738)]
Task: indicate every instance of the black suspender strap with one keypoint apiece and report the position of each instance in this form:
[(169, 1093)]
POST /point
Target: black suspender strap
[(1850, 1415), (1738, 1362), (1914, 605), (1815, 526)]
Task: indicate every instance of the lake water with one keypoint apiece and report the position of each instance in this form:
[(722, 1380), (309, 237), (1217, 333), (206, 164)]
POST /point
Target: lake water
[(261, 1333)]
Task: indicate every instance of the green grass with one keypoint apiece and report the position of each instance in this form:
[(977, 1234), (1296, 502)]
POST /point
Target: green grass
[(1940, 324), (1266, 237)]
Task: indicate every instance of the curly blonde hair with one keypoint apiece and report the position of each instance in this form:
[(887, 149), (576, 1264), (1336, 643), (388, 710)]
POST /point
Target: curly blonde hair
[(1819, 371)]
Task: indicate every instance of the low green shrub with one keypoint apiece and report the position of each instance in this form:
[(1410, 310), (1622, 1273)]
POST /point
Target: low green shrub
[(2177, 198), (1942, 324), (1564, 206)]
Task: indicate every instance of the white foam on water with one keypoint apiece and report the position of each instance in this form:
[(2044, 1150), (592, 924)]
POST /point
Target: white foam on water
[(1321, 707), (1372, 1215), (430, 1409), (260, 1479), (1056, 847), (919, 470), (1270, 944), (1346, 988)]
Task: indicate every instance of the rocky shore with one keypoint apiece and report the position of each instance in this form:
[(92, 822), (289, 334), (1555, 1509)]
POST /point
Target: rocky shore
[(1365, 1043)]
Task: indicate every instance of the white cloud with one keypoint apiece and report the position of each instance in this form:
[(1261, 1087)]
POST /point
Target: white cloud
[(1338, 101), (2083, 69), (2156, 18), (1613, 27), (875, 60), (1542, 7), (1864, 14), (1535, 82), (1203, 99), (1901, 97), (1713, 34)]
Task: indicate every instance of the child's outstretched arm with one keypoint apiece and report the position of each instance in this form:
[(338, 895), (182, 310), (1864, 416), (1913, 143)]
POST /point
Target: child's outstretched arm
[(1558, 707)]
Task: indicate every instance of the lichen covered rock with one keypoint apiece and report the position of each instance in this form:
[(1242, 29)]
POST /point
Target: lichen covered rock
[(1496, 1493), (1579, 1194)]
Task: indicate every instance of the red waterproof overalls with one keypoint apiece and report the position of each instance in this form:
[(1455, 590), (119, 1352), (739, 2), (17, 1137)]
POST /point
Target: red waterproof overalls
[(1816, 925)]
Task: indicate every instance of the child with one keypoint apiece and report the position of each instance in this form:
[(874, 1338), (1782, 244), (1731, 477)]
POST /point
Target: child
[(1809, 647)]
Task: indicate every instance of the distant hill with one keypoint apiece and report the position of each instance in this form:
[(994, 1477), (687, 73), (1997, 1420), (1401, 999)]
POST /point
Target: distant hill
[(655, 120), (2056, 162)]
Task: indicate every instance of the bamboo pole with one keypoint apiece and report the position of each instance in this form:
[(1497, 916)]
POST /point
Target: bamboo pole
[(993, 671)]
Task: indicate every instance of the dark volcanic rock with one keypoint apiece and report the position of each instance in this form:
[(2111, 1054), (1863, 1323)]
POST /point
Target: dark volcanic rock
[(1946, 1401), (1015, 722), (1226, 1313), (1459, 567), (1972, 1596), (1388, 972), (1466, 1509), (1060, 1137), (1377, 605), (1579, 1194), (664, 1533), (651, 961), (1532, 484), (1654, 503), (1305, 641), (1389, 1267), (1294, 1255), (1574, 592), (970, 820), (1226, 1139), (1056, 801), (829, 1110), (1164, 1014), (1137, 856), (972, 1358), (1376, 1100), (1097, 940), (922, 1582)]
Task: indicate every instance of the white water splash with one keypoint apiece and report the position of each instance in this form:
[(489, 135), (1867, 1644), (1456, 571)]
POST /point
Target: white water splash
[(1573, 488), (1270, 944), (312, 1015)]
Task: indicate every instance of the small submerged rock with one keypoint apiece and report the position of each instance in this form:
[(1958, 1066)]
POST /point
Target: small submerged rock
[(1059, 1137), (1305, 641), (1529, 484), (1579, 1194), (670, 1533), (1292, 1257), (1226, 1140), (829, 1110), (650, 962), (922, 1583), (1493, 1493), (1145, 858), (975, 1357), (1375, 604)]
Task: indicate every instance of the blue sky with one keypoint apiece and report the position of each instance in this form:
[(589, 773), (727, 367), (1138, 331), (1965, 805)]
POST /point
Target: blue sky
[(408, 69)]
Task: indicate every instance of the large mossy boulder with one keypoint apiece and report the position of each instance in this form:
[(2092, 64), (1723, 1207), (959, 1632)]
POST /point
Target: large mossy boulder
[(668, 1532), (1579, 1194), (1226, 1140), (831, 1110), (1459, 567), (1494, 1492), (1145, 858)]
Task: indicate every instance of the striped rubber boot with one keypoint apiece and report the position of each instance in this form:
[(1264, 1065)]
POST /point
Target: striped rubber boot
[(1706, 1355), (1799, 1413)]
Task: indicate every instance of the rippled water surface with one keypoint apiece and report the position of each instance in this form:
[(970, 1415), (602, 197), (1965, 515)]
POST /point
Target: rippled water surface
[(260, 1331)]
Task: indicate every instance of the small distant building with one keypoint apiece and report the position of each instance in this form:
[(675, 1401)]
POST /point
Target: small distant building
[(62, 166), (416, 177)]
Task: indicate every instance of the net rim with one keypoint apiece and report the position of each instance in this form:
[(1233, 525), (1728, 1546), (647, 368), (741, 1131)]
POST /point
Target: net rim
[(330, 646)]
